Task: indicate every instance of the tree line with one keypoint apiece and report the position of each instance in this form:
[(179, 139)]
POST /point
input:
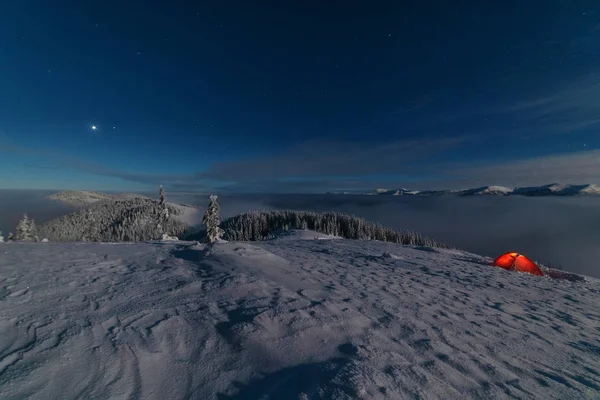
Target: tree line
[(141, 219), (266, 225)]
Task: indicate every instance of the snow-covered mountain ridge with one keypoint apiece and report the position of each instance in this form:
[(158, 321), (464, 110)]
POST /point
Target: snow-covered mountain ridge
[(288, 319), (553, 189)]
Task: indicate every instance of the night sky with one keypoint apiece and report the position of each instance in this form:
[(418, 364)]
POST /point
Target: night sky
[(302, 96)]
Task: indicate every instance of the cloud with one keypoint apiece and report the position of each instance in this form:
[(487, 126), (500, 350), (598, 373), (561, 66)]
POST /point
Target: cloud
[(311, 166), (320, 166), (337, 159), (56, 160), (540, 107), (578, 168), (563, 108)]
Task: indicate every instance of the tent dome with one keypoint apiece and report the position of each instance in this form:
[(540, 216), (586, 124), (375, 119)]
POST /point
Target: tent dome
[(517, 262)]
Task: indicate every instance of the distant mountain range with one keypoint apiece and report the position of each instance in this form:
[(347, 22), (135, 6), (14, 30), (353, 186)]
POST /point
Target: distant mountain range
[(553, 189)]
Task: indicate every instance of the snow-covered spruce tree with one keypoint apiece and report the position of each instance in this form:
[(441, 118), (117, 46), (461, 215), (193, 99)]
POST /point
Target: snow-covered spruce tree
[(163, 213), (24, 229), (33, 231), (161, 193), (90, 228), (212, 220)]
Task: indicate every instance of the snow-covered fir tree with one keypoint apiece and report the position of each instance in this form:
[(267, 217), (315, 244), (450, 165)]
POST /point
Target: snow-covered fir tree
[(33, 231), (161, 194), (26, 229), (91, 228), (163, 215), (1, 237), (22, 228), (212, 220)]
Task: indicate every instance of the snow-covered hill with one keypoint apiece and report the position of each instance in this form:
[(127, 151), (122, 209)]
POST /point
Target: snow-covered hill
[(289, 319), (83, 197), (119, 220), (553, 189)]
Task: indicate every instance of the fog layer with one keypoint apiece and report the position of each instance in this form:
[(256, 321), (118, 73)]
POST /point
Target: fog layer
[(564, 231)]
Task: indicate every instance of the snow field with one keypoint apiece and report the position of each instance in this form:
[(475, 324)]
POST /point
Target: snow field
[(287, 319)]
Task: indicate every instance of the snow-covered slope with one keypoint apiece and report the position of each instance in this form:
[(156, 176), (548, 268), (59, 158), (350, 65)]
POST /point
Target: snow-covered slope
[(487, 190), (331, 319)]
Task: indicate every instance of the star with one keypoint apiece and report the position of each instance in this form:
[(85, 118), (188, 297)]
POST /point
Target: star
[(94, 127)]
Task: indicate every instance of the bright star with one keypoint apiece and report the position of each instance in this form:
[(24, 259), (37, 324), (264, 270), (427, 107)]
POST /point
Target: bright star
[(94, 127)]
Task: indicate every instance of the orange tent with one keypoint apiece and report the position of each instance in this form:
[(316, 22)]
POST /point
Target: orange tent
[(517, 262)]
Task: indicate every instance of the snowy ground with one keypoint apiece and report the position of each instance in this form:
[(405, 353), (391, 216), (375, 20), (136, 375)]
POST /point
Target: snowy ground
[(291, 319)]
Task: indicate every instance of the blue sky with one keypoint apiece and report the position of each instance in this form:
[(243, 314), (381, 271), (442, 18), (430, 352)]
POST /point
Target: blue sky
[(298, 96)]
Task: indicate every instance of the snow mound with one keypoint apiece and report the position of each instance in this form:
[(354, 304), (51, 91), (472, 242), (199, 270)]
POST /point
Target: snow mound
[(303, 234), (331, 319), (167, 238)]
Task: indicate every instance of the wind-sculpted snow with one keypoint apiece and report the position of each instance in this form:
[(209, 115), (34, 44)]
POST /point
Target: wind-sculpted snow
[(291, 319)]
